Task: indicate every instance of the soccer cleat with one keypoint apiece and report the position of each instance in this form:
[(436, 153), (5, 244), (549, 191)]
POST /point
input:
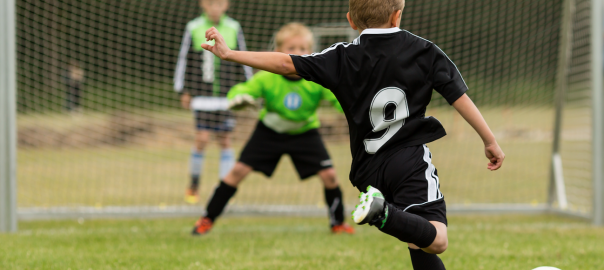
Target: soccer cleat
[(202, 226), (342, 228), (192, 195), (371, 206)]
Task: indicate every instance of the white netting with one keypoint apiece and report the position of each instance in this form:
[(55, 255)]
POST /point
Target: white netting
[(128, 142)]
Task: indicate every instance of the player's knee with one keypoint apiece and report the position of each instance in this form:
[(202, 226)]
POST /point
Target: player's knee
[(201, 142), (200, 146), (225, 143), (329, 178), (224, 140), (240, 171), (439, 246)]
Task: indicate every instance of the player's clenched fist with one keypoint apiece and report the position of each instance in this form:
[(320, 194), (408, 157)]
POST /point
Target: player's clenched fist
[(220, 47), (495, 156)]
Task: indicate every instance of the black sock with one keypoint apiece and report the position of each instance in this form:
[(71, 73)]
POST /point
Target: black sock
[(222, 195), (335, 207), (407, 227), (194, 181), (425, 261)]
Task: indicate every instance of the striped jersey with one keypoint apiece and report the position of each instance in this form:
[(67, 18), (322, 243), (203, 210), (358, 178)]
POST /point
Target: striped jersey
[(384, 81), (199, 72)]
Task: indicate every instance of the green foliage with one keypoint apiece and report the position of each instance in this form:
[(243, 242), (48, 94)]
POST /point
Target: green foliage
[(506, 50)]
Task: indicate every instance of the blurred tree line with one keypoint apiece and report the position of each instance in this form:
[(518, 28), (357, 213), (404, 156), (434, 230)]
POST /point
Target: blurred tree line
[(506, 50)]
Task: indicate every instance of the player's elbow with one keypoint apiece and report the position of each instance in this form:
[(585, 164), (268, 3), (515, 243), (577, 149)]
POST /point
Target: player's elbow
[(287, 68)]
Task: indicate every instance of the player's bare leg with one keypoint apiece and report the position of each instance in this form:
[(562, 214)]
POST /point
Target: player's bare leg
[(329, 178), (237, 174), (441, 241), (222, 194), (428, 238), (426, 258), (333, 198), (202, 138)]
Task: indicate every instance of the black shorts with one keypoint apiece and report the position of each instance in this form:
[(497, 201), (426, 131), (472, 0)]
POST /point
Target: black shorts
[(214, 121), (265, 148), (410, 182)]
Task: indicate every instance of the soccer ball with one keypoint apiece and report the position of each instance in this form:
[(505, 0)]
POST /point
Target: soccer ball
[(546, 268)]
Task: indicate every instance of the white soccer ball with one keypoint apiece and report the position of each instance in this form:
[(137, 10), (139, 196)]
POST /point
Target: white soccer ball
[(546, 268)]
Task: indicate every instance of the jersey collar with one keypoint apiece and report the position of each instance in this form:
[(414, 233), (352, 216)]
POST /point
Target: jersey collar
[(376, 31)]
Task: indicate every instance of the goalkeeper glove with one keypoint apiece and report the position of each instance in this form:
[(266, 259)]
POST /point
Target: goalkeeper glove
[(239, 102)]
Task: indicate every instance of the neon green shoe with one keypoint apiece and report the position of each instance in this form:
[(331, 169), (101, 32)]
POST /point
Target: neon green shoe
[(371, 206)]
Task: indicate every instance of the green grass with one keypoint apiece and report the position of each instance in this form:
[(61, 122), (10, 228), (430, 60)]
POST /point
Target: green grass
[(154, 176), (476, 242), (152, 169)]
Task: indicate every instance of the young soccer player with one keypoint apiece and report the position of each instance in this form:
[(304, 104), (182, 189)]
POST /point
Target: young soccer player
[(384, 81), (208, 79), (288, 125)]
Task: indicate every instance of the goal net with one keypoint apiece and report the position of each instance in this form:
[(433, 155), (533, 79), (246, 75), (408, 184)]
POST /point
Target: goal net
[(120, 143)]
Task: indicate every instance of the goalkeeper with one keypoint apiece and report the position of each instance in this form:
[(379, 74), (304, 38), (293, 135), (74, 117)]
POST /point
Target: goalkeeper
[(288, 125)]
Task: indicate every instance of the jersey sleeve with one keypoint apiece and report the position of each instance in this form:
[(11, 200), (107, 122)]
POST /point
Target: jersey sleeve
[(252, 87), (329, 96), (447, 79), (322, 68), (181, 64)]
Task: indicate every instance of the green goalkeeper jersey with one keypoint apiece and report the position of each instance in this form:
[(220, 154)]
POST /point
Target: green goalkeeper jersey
[(290, 106)]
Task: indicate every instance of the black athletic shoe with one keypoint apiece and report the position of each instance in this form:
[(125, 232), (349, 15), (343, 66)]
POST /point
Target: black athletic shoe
[(371, 207)]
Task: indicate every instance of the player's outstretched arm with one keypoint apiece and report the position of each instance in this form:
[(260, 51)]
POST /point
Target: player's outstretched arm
[(468, 111), (274, 62)]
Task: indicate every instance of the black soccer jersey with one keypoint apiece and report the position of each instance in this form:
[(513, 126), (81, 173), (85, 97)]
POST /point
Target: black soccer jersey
[(384, 81)]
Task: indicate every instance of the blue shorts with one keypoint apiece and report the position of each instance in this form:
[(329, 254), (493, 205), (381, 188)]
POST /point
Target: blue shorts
[(220, 121)]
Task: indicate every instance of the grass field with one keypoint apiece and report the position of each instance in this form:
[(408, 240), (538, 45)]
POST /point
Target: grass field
[(152, 168), (476, 242)]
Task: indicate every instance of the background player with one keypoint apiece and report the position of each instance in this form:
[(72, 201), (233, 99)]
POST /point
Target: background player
[(288, 125), (384, 81), (208, 80)]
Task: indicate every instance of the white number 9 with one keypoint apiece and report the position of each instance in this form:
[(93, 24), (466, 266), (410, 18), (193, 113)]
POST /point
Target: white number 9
[(377, 114)]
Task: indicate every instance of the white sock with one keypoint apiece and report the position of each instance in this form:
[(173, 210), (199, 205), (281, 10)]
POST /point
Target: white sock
[(196, 162), (227, 161)]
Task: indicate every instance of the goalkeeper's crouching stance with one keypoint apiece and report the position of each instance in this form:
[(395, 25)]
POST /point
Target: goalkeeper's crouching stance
[(288, 125)]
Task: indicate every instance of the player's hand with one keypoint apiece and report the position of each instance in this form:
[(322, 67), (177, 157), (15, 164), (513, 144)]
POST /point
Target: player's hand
[(220, 47), (241, 101), (185, 100), (495, 156)]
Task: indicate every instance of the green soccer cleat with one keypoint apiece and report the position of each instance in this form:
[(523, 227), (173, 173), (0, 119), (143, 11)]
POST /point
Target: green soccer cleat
[(371, 206)]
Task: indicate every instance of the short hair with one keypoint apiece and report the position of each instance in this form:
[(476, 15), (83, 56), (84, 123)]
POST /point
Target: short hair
[(211, 1), (372, 13), (293, 29)]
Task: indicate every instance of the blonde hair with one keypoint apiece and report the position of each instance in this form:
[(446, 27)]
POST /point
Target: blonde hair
[(290, 30), (212, 1), (373, 13)]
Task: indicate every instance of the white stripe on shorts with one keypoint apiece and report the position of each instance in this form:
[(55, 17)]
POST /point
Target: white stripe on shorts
[(434, 193), (433, 181)]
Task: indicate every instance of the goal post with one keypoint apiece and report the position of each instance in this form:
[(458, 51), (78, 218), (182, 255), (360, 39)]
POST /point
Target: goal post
[(557, 191), (577, 175), (8, 200), (597, 36)]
